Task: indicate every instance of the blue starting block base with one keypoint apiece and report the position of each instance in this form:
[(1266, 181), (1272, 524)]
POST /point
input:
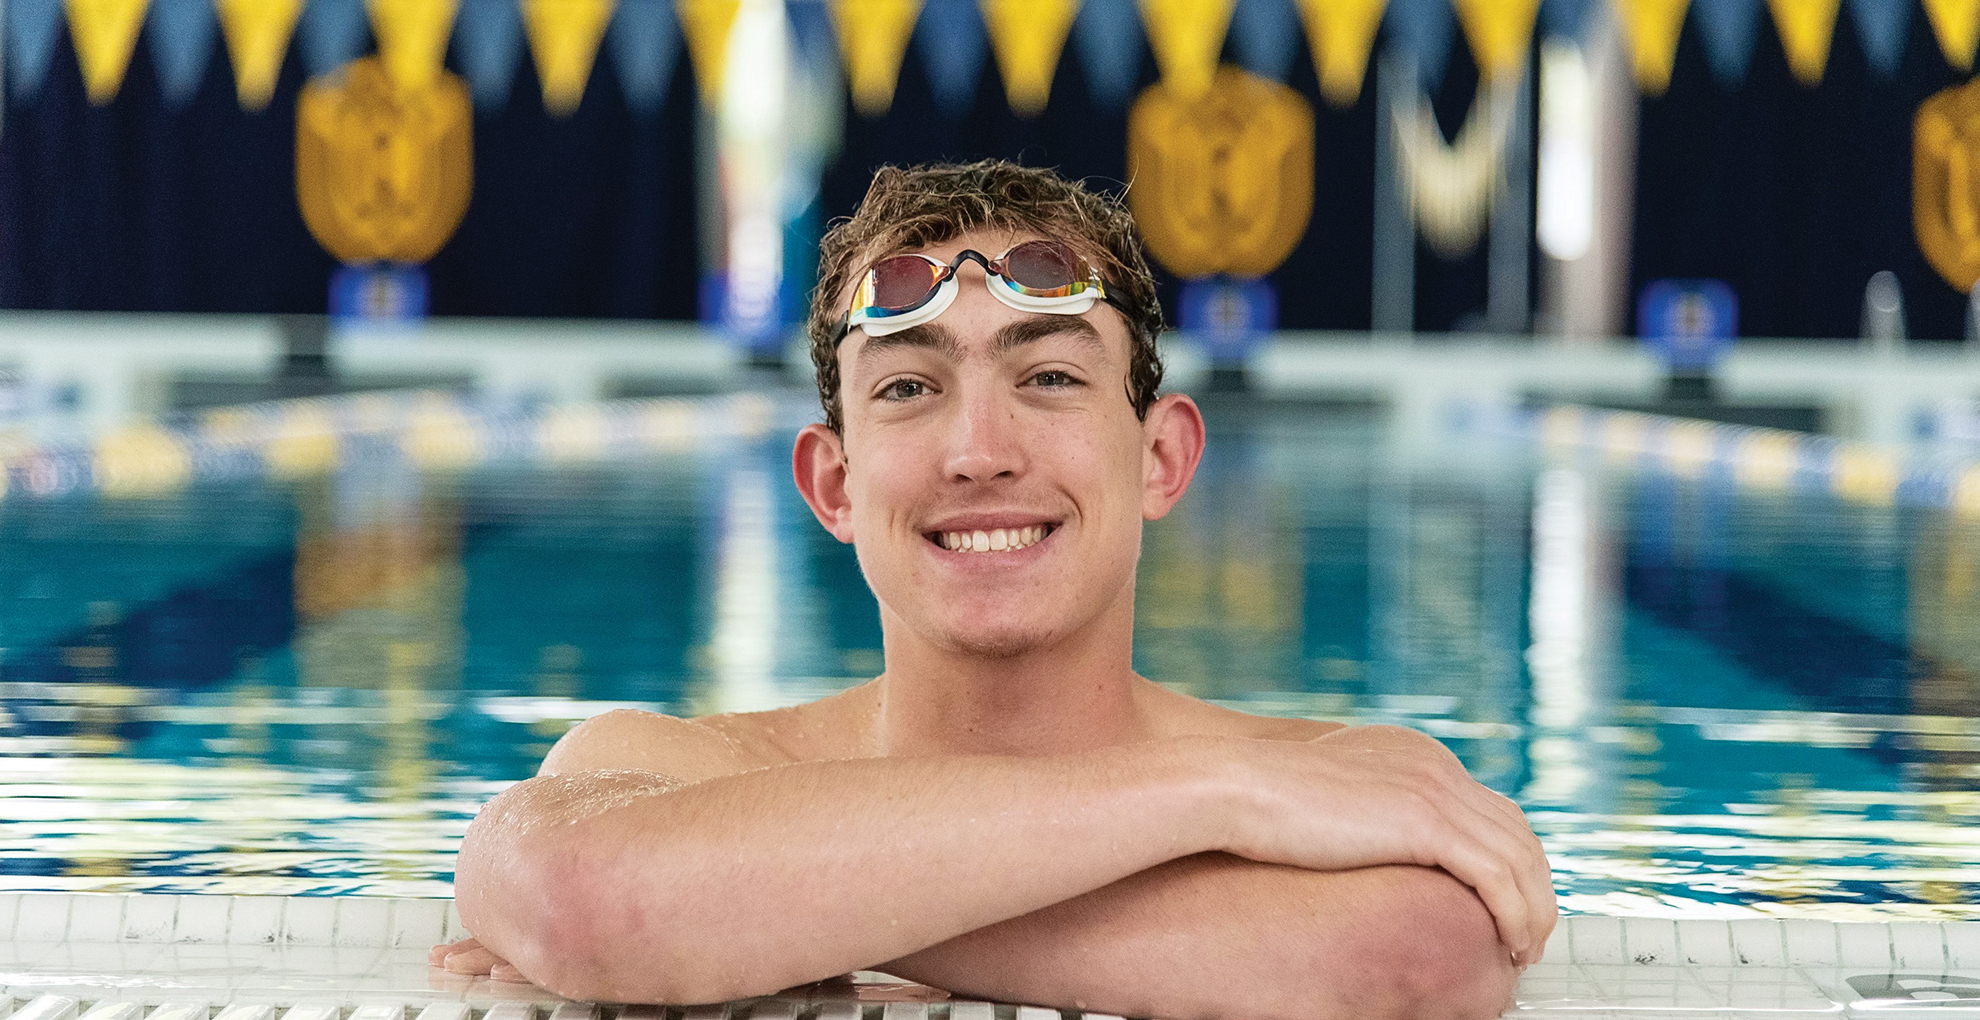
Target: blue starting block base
[(1690, 325), (378, 294), (1228, 318)]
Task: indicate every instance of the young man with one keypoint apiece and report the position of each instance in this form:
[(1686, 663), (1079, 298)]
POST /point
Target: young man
[(1008, 811)]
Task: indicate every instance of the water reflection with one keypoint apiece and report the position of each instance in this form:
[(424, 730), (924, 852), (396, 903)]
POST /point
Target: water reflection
[(1568, 623), (1714, 693), (378, 594), (1943, 605)]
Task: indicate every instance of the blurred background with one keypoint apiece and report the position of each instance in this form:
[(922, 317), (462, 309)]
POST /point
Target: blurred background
[(1509, 166), (1593, 384), (1569, 170)]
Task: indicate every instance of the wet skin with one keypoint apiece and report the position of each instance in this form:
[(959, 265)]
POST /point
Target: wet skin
[(1177, 830)]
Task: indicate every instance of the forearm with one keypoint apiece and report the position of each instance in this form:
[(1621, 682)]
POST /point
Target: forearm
[(622, 886), (1213, 936)]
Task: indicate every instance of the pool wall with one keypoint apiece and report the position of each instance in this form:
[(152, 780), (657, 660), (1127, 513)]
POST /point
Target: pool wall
[(352, 952)]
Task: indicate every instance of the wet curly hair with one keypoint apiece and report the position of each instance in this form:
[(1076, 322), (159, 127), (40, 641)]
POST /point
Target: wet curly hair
[(926, 205)]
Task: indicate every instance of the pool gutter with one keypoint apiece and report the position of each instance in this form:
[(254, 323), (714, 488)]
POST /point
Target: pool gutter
[(70, 956)]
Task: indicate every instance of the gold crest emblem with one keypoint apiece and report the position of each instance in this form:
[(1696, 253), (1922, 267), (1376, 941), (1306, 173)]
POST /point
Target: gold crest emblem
[(383, 173), (1222, 183), (1945, 183)]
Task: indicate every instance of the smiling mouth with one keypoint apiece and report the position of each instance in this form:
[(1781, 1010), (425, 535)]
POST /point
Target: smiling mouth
[(994, 540)]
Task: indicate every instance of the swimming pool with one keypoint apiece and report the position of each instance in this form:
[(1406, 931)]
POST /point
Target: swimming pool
[(300, 670)]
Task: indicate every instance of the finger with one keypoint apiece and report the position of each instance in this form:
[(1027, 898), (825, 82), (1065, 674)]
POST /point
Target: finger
[(1549, 921), (1523, 852), (1502, 809), (1493, 861), (438, 954), (1530, 874), (1522, 824), (1546, 903), (473, 961), (506, 971), (1474, 864), (1491, 841)]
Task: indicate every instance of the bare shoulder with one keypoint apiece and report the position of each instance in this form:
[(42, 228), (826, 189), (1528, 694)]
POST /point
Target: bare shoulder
[(1182, 715), (1271, 727), (686, 749), (1280, 728), (835, 727), (709, 746)]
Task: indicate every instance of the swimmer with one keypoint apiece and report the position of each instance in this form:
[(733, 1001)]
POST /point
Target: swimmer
[(1008, 811)]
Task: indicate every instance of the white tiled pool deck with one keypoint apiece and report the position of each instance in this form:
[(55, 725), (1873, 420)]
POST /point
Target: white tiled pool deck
[(94, 956)]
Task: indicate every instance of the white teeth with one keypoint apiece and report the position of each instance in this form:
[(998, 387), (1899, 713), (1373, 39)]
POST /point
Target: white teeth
[(994, 540)]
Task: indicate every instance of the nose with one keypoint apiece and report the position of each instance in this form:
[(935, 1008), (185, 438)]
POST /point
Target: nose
[(985, 442)]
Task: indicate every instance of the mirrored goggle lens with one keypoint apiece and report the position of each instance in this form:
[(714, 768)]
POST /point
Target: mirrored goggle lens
[(898, 284), (1046, 269)]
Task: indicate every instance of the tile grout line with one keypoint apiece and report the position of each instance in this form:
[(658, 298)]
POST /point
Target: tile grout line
[(165, 918), (357, 949)]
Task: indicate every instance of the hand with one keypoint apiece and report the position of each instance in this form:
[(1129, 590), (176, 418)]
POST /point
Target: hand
[(1370, 795), (469, 956)]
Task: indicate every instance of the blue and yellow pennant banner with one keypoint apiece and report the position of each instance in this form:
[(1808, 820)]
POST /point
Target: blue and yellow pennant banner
[(1021, 42)]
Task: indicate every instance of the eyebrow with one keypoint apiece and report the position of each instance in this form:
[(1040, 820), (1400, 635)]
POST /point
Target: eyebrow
[(930, 335), (1030, 329), (1033, 328)]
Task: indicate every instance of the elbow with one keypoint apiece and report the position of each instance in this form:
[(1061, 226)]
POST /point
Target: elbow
[(512, 891), (551, 903), (1436, 954), (568, 936), (521, 891)]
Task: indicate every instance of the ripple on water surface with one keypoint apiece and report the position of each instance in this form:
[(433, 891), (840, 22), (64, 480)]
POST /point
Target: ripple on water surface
[(1710, 700)]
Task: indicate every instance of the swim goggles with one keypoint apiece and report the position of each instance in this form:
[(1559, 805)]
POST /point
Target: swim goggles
[(901, 291)]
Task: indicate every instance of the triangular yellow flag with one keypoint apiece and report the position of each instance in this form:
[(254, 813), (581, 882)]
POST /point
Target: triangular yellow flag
[(873, 36), (1806, 28), (1651, 27), (1956, 24), (257, 33), (1027, 37), (1187, 37), (104, 31), (1340, 34), (706, 23), (1499, 32), (412, 38), (564, 37)]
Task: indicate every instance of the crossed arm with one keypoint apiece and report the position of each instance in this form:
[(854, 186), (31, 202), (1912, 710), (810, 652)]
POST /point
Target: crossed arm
[(1199, 877)]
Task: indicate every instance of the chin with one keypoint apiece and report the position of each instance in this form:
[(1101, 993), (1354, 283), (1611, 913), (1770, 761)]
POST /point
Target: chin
[(1000, 643)]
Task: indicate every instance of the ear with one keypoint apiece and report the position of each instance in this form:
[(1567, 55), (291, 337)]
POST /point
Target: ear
[(818, 462), (1172, 444)]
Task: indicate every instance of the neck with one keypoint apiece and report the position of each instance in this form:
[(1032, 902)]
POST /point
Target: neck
[(1072, 695)]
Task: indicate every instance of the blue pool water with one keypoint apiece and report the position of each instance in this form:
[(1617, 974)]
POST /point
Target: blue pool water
[(1711, 700)]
